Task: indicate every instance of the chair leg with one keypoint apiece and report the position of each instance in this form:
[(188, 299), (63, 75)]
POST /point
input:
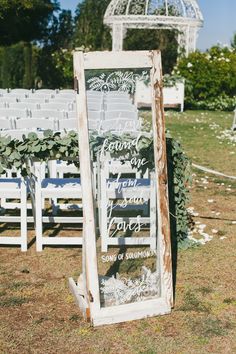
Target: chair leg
[(38, 216), (23, 215)]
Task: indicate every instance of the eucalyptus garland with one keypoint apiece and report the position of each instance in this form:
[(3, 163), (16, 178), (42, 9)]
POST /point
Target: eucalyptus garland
[(16, 153)]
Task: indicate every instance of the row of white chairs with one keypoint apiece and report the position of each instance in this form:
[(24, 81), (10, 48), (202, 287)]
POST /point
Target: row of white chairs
[(61, 109), (34, 124), (106, 188), (59, 106), (19, 92)]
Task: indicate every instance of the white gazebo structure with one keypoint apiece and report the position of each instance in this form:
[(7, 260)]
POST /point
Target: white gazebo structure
[(182, 15)]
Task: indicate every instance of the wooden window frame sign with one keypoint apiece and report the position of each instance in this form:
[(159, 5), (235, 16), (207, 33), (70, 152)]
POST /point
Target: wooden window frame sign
[(86, 290)]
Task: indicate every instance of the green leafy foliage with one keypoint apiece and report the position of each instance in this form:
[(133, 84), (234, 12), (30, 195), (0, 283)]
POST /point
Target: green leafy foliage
[(210, 78), (16, 153), (24, 20)]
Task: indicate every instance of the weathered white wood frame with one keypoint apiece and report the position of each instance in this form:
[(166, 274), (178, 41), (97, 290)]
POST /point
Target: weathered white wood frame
[(87, 293)]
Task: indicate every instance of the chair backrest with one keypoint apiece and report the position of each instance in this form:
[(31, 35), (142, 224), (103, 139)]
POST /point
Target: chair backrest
[(62, 99), (34, 124), (94, 105), (66, 91), (94, 93), (120, 125), (2, 105), (42, 97), (8, 99), (120, 106), (56, 105), (95, 115), (20, 91), (117, 94), (5, 123), (47, 113), (121, 114), (24, 105), (71, 114), (14, 113), (65, 96), (68, 124), (118, 100), (37, 100), (45, 91)]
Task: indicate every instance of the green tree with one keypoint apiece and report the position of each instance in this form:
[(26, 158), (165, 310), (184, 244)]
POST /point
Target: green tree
[(23, 21), (58, 41), (90, 31)]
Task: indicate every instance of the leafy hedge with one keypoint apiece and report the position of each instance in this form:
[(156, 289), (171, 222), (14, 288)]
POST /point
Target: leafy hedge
[(16, 153), (210, 78)]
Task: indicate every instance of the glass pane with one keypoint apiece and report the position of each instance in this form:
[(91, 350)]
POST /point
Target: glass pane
[(121, 139)]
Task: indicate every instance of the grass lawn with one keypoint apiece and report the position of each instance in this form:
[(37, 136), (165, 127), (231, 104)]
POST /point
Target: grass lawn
[(38, 313)]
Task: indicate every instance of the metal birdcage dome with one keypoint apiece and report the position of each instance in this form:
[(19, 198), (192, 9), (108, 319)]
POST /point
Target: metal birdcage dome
[(182, 15)]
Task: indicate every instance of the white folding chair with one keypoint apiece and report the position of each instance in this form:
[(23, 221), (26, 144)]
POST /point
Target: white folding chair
[(44, 92), (62, 99), (8, 99), (37, 101), (5, 123), (61, 169), (58, 106), (3, 92), (47, 113), (66, 92), (60, 188), (34, 123), (94, 105), (118, 100), (24, 105), (120, 107), (66, 96), (15, 188), (71, 114), (132, 194), (121, 114), (13, 113), (95, 115), (97, 94), (68, 124), (116, 94), (20, 92), (3, 105)]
